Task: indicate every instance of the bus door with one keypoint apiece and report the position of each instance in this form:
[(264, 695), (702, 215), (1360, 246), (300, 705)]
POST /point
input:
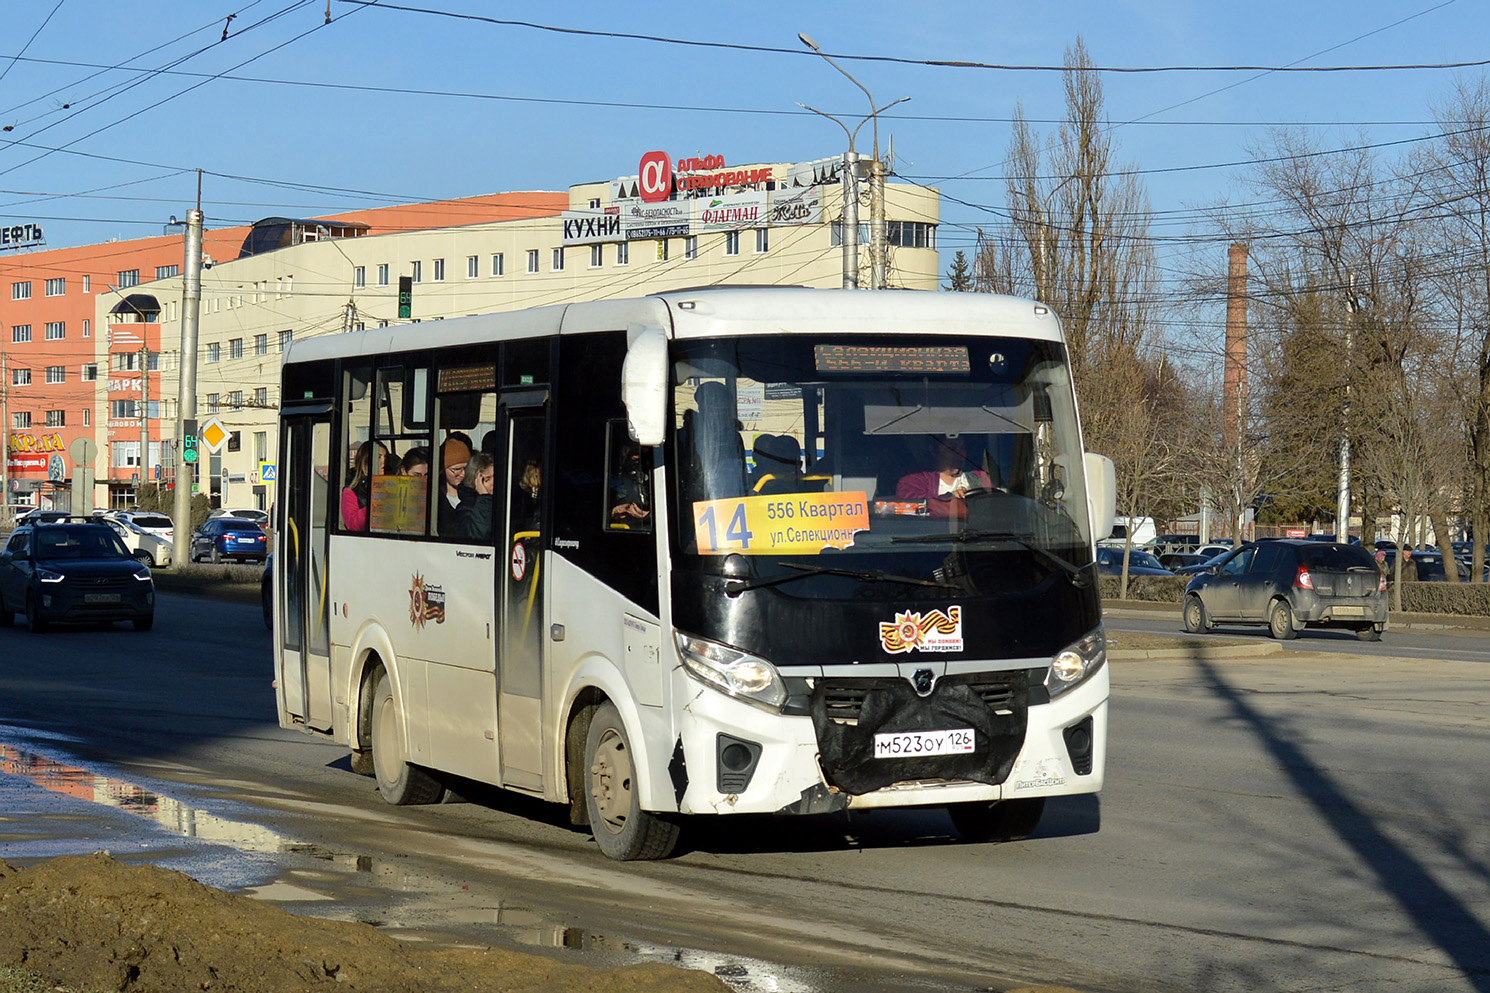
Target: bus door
[(300, 570), (521, 474)]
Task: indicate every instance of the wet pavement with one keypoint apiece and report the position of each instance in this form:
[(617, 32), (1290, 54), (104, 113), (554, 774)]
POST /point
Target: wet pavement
[(51, 805)]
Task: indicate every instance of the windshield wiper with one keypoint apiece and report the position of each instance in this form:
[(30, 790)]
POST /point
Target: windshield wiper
[(735, 587), (1076, 572)]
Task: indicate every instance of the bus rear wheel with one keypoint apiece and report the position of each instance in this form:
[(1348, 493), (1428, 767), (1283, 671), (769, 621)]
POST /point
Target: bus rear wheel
[(400, 782), (622, 829), (1006, 820)]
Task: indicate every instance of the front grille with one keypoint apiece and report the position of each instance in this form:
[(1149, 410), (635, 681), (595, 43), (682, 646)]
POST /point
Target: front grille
[(843, 700), (102, 584)]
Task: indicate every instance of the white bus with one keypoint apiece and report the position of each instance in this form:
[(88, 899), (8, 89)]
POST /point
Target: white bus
[(720, 551)]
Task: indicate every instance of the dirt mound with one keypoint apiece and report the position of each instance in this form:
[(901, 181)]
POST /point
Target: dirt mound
[(91, 921)]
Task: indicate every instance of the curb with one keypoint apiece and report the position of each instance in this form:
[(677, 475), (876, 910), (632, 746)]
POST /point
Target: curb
[(1258, 650)]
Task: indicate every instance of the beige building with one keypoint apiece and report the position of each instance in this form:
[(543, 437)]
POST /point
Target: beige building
[(777, 227)]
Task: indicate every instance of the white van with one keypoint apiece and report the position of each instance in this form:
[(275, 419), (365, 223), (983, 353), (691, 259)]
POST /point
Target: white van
[(1142, 529)]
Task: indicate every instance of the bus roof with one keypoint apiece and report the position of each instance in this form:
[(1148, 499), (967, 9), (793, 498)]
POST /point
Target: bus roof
[(714, 312)]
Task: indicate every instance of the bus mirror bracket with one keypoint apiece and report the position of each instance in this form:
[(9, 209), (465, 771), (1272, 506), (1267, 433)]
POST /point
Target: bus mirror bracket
[(644, 384), (1101, 494)]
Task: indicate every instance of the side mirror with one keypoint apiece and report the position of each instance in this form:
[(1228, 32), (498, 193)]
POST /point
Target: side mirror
[(644, 385), (1101, 494)]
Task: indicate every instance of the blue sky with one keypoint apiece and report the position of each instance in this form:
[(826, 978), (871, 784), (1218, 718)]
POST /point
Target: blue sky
[(543, 108)]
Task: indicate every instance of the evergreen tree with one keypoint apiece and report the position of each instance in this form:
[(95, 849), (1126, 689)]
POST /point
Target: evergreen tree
[(960, 276)]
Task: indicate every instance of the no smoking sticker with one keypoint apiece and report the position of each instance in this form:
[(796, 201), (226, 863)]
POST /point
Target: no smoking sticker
[(519, 562)]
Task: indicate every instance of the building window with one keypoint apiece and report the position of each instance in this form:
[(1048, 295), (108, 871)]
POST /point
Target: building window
[(20, 333), (261, 446), (237, 398), (20, 377), (20, 291), (261, 344), (383, 274), (558, 265), (87, 417), (235, 348), (594, 203), (167, 271), (762, 240), (87, 328), (20, 419), (211, 403), (285, 337), (416, 270), (56, 419), (359, 276), (128, 278), (56, 287), (661, 249), (690, 247), (532, 260), (214, 352), (90, 372), (473, 266), (56, 373), (87, 284), (497, 268), (623, 253), (596, 257), (731, 243), (261, 397), (439, 270)]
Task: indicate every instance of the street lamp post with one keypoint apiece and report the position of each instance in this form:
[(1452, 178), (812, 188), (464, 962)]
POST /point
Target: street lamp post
[(877, 240)]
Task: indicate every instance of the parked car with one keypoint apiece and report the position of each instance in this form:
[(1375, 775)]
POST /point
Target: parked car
[(41, 517), (157, 524), (1214, 549), (73, 572), (260, 517), (222, 538), (1140, 563), (146, 547), (266, 591), (1290, 584), (1175, 561)]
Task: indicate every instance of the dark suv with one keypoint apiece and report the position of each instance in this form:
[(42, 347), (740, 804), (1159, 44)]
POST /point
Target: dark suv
[(73, 572), (1289, 585)]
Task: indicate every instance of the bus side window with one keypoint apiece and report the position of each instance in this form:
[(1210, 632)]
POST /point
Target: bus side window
[(356, 419), (467, 424), (628, 483)]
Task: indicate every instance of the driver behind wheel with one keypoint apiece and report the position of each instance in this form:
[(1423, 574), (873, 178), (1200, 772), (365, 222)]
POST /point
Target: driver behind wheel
[(944, 488)]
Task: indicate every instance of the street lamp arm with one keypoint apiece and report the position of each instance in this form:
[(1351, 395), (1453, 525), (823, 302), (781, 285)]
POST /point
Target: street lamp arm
[(836, 121)]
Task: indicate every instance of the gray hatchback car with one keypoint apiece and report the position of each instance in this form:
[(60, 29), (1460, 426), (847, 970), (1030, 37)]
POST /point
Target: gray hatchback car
[(1289, 585)]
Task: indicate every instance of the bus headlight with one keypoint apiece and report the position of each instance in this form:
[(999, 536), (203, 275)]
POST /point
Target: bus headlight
[(1076, 661), (732, 671)]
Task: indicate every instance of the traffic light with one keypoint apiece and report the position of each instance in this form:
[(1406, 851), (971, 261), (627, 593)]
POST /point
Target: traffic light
[(406, 296)]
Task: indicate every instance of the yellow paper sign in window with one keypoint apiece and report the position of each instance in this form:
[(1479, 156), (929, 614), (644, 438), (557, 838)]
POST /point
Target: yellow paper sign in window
[(787, 524)]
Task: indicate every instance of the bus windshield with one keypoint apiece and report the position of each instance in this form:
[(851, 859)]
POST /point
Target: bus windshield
[(945, 463)]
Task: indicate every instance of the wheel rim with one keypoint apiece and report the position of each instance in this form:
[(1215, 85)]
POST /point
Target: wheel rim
[(388, 756), (1192, 615), (610, 781), (1281, 620)]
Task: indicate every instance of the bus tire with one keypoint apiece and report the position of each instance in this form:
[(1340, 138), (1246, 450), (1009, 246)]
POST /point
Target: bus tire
[(622, 829), (1005, 820), (400, 782)]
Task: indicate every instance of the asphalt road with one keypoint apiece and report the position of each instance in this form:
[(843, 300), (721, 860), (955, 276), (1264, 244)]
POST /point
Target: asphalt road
[(1266, 826)]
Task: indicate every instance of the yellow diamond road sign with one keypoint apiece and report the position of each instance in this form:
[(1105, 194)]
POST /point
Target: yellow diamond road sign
[(214, 434)]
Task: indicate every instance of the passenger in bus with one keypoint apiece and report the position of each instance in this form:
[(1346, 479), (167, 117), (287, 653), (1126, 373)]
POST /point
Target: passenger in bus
[(944, 488), (711, 444), (416, 462), (778, 465), (356, 496), (631, 490), (525, 495), (455, 453), (474, 514)]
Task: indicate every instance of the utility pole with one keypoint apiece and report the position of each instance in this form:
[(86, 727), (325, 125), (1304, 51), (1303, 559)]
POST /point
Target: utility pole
[(144, 413), (4, 431), (1342, 503), (877, 240), (186, 414)]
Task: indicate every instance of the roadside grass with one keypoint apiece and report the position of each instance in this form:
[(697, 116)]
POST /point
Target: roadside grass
[(1141, 641), (21, 981)]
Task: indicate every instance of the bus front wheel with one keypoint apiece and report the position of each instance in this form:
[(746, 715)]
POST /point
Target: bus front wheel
[(401, 783), (622, 829), (1006, 820)]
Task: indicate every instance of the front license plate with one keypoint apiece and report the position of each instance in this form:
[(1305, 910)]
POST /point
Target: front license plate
[(100, 598), (1349, 611), (910, 744)]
